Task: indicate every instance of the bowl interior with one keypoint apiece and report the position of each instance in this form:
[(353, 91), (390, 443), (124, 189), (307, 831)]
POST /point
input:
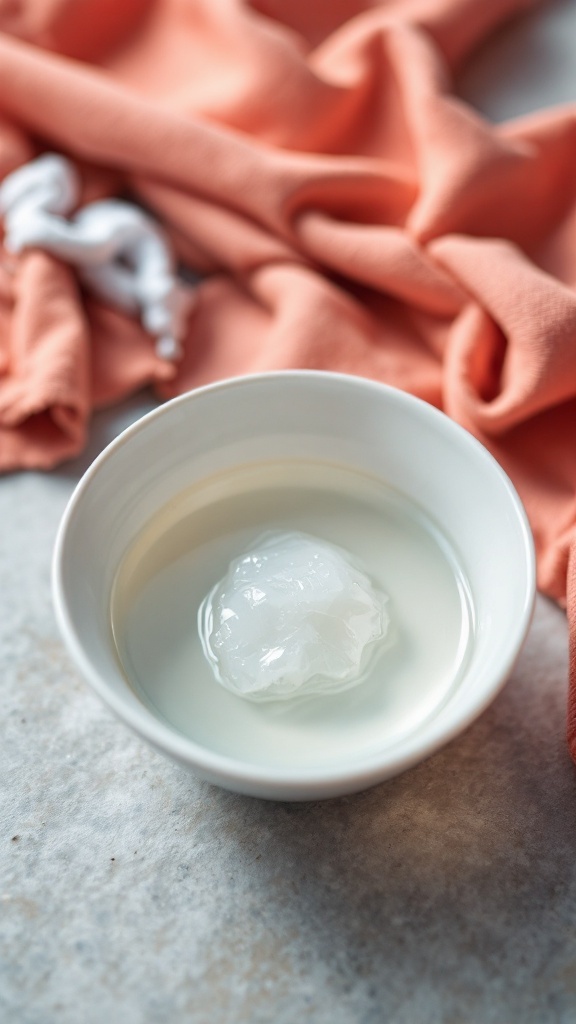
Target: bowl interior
[(323, 417)]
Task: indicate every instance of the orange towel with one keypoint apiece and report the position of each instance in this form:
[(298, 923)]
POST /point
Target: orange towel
[(350, 213)]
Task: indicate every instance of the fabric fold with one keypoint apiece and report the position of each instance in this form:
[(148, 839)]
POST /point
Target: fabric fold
[(45, 389), (512, 353)]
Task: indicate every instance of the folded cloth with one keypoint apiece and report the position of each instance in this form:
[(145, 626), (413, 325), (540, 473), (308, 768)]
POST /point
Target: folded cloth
[(348, 211)]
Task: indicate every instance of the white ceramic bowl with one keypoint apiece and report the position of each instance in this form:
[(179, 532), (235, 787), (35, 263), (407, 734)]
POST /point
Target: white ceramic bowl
[(322, 416)]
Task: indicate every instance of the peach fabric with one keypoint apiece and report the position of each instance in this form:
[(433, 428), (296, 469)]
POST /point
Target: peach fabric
[(349, 211)]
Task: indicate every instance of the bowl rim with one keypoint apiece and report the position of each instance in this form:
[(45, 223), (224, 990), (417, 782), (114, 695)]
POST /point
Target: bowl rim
[(282, 782)]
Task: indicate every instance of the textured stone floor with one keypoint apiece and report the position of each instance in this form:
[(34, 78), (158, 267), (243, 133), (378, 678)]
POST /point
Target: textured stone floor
[(130, 891)]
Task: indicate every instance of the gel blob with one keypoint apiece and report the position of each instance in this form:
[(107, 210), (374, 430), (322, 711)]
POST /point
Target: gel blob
[(293, 616)]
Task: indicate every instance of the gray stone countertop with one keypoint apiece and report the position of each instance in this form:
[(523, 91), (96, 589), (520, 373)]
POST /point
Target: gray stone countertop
[(131, 892)]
